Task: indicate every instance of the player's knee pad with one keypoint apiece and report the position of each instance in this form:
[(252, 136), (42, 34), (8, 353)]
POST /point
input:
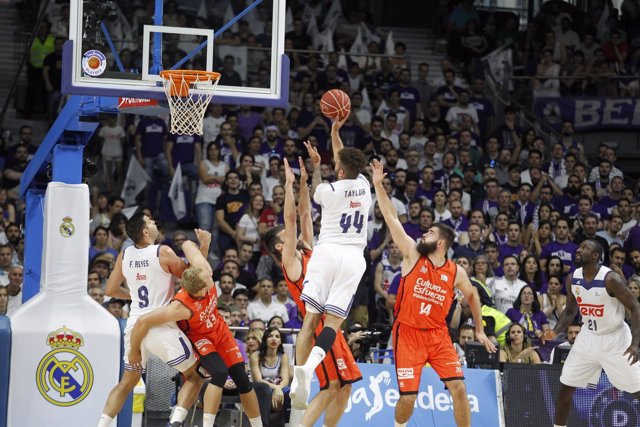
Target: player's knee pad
[(240, 378), (215, 368)]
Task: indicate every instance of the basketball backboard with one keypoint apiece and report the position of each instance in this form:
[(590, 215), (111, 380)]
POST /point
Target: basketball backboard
[(118, 49)]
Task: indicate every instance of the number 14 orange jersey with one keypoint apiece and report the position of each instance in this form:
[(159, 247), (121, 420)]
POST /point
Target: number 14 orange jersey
[(425, 295)]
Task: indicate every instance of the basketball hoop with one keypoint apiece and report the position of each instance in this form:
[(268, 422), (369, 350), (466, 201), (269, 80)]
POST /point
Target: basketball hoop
[(189, 93)]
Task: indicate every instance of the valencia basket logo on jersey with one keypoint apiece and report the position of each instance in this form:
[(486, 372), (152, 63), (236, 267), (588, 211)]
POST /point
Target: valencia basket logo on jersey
[(64, 376)]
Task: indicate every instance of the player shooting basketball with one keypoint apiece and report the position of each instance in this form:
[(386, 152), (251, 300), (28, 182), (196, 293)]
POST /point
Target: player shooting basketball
[(338, 370)]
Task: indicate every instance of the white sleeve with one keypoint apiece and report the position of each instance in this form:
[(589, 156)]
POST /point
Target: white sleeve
[(321, 193)]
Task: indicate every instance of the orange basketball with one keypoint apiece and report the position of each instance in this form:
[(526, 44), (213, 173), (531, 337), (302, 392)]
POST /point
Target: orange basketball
[(335, 104), (93, 62)]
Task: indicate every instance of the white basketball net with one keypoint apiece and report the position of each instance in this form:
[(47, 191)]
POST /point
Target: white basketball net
[(187, 113)]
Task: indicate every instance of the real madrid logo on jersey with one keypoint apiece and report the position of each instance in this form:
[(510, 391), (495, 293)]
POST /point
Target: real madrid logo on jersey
[(67, 228), (64, 376)]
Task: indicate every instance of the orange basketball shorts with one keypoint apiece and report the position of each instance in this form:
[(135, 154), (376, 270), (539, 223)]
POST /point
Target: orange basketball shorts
[(413, 348)]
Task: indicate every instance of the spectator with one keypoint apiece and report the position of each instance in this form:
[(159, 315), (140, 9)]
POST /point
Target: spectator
[(482, 274), (264, 307), (230, 76), (282, 296), (448, 94), (14, 289), (4, 300), (150, 137), (101, 236), (634, 288), (112, 137), (422, 85), (531, 273), (554, 267), (491, 252), (212, 172), (247, 228), (386, 270), (13, 170), (562, 247), (544, 85), (253, 340), (271, 365), (526, 312), (93, 279), (6, 261), (52, 76), (229, 209), (512, 246), (97, 294), (552, 302), (225, 287), (505, 289), (466, 333), (117, 231), (241, 298), (517, 347), (43, 45), (571, 334)]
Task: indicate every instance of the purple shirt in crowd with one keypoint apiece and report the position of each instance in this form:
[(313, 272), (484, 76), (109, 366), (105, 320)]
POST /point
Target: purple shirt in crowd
[(565, 251), (538, 319), (153, 131)]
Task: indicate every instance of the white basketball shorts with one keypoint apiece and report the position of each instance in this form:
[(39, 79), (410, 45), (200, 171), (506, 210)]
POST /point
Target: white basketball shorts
[(591, 353), (167, 342), (333, 274)]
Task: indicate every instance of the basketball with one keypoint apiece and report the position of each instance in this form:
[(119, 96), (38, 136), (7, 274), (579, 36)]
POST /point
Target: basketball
[(93, 62), (335, 104)]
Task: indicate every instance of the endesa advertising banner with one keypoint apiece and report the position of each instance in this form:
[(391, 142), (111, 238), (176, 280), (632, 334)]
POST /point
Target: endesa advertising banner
[(373, 400)]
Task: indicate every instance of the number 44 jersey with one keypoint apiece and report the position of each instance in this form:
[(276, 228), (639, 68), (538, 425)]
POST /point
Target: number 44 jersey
[(345, 211), (151, 287), (425, 295), (601, 313)]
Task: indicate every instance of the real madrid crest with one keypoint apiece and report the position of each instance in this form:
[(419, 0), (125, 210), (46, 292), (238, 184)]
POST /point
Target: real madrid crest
[(67, 228), (64, 376)]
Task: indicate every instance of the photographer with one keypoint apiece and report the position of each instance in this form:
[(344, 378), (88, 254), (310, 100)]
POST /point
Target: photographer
[(355, 337), (361, 340)]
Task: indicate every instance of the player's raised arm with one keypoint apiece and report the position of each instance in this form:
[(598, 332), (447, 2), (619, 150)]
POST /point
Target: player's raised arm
[(616, 287), (196, 260), (405, 243), (304, 207), (316, 178), (171, 262), (471, 294), (336, 141), (171, 313), (116, 286), (289, 258)]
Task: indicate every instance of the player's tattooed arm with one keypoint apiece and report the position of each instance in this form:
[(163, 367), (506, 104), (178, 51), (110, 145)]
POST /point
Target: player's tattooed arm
[(316, 178), (304, 207)]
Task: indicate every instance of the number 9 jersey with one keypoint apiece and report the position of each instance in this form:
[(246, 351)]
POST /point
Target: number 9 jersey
[(345, 211), (151, 287)]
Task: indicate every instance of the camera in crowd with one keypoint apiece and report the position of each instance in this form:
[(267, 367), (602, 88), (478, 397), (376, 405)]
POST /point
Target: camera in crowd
[(375, 335), (95, 13)]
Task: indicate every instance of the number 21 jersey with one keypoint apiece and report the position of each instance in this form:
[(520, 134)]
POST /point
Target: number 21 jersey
[(151, 287), (345, 211)]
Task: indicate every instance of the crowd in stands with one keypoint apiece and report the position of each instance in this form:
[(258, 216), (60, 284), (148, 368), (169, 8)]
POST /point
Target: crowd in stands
[(589, 49), (518, 201)]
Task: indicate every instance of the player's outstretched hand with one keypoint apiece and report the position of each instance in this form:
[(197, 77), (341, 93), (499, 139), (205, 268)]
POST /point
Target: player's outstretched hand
[(303, 171), (632, 354), (337, 123), (313, 154), (547, 335), (203, 236), (289, 177), (378, 173), (486, 342)]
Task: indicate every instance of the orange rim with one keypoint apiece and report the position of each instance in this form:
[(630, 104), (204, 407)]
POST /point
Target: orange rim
[(188, 76)]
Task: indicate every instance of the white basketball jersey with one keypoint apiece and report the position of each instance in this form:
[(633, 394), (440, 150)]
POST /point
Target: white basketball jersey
[(601, 313), (345, 211), (151, 287)]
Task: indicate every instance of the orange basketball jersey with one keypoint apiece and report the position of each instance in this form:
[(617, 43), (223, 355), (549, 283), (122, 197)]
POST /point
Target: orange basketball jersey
[(295, 288), (425, 295), (204, 312)]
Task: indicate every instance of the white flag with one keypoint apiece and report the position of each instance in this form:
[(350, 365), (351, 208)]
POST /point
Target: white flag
[(603, 22), (229, 14), (288, 26), (202, 10), (342, 60), (176, 194), (333, 15), (134, 183), (366, 102), (358, 47), (390, 46), (368, 36), (312, 27)]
